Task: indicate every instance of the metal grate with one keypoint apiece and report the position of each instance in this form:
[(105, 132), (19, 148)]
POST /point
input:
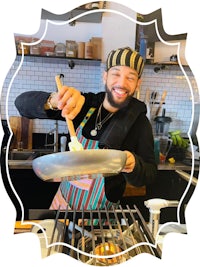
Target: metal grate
[(94, 236)]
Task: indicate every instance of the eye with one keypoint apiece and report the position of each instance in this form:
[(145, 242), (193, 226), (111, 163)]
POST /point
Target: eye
[(131, 78), (116, 74)]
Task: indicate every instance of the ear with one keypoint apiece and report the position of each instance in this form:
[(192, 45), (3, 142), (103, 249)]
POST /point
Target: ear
[(139, 83), (105, 75)]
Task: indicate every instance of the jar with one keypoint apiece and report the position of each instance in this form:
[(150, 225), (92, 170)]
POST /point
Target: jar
[(95, 5), (89, 50), (19, 48), (35, 49), (81, 49), (71, 48), (60, 50)]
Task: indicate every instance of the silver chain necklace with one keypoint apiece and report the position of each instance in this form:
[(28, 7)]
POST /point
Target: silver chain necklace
[(99, 123)]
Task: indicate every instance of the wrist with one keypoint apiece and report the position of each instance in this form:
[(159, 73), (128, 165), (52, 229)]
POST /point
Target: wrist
[(51, 103)]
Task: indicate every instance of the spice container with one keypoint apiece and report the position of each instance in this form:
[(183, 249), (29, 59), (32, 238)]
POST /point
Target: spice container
[(47, 48), (71, 48), (95, 5), (81, 49), (21, 47), (35, 49), (97, 47), (89, 50), (60, 50)]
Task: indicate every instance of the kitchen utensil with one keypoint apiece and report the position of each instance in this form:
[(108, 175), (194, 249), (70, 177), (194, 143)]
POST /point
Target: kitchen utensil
[(163, 112), (74, 145), (147, 102), (64, 165), (138, 93), (154, 95), (161, 102)]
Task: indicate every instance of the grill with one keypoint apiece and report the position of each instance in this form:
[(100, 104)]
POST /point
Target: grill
[(96, 237)]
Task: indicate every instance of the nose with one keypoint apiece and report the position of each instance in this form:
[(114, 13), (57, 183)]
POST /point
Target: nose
[(122, 81)]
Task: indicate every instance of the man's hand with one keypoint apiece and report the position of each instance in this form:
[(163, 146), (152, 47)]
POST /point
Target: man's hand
[(130, 162), (70, 101)]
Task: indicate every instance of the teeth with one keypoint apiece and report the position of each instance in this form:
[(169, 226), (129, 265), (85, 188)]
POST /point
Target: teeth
[(120, 92)]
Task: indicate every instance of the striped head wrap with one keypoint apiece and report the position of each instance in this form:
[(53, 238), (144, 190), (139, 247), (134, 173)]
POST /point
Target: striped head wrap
[(125, 57)]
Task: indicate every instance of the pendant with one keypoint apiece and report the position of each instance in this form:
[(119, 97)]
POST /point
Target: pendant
[(93, 132)]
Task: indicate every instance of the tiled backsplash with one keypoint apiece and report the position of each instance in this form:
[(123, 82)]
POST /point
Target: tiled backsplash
[(37, 73)]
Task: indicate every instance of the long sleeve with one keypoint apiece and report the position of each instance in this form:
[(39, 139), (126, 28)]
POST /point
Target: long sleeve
[(140, 142), (31, 105)]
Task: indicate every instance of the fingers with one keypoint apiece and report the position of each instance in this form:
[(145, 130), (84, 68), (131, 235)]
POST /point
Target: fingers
[(70, 101), (72, 110), (130, 162), (65, 94)]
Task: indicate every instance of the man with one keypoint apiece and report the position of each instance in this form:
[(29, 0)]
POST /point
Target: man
[(113, 119)]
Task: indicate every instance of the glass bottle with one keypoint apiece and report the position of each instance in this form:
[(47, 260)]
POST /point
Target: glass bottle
[(143, 46)]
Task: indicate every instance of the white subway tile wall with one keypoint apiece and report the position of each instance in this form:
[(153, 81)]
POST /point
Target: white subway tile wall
[(37, 73)]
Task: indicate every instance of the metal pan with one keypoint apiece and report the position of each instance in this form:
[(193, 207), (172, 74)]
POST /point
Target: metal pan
[(67, 165)]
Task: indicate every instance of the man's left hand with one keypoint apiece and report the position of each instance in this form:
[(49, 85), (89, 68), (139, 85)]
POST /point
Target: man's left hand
[(130, 162)]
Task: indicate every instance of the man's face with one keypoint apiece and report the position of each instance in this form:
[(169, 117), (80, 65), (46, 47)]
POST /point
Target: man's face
[(120, 85)]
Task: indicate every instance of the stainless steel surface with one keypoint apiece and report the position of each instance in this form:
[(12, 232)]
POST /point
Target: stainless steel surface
[(104, 237), (22, 155), (66, 165), (27, 154), (55, 135), (186, 176), (175, 166), (23, 159), (27, 164)]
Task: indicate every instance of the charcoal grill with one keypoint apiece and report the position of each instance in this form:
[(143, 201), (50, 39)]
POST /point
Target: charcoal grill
[(97, 237)]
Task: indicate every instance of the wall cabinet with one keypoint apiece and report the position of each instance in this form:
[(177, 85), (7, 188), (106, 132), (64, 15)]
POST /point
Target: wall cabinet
[(150, 29), (94, 17), (160, 52), (91, 18)]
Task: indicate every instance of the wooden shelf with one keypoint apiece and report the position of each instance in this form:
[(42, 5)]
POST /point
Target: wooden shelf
[(58, 57)]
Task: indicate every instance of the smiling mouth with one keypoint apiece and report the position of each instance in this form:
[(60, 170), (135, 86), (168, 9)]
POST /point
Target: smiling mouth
[(120, 92)]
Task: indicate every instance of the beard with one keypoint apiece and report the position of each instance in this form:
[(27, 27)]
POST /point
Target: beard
[(114, 103)]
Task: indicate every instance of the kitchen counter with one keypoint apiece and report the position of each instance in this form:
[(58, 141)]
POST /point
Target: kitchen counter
[(176, 166), (20, 164), (27, 164)]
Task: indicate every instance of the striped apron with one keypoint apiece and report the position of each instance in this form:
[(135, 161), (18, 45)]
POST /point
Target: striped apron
[(87, 192)]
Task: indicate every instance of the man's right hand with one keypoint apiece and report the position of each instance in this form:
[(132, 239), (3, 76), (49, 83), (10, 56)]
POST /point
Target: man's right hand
[(69, 100)]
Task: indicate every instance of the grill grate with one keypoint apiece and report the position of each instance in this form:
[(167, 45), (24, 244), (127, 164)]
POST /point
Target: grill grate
[(94, 236)]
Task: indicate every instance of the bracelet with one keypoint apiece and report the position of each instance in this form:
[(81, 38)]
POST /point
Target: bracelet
[(48, 103)]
